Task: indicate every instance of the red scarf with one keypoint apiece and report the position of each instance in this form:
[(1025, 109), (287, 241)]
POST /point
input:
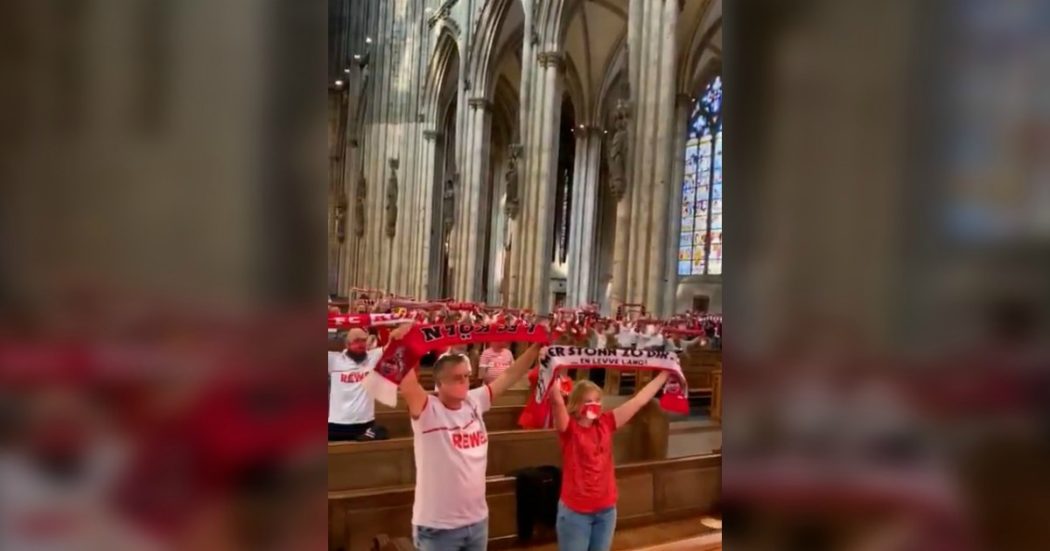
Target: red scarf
[(350, 321), (403, 355)]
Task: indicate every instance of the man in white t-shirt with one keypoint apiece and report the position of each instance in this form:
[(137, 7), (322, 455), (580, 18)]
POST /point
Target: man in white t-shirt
[(351, 410), (451, 451)]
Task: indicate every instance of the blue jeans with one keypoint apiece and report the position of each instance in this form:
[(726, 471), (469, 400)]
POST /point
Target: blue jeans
[(472, 537), (580, 532)]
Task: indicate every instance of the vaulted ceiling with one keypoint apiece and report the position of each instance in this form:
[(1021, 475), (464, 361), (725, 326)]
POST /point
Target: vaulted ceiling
[(595, 36), (595, 32)]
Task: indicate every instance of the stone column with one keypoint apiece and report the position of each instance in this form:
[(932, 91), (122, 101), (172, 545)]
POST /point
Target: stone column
[(641, 84), (524, 226), (665, 152), (542, 180), (582, 236), (428, 202), (624, 206), (516, 230), (683, 107), (652, 87), (476, 159)]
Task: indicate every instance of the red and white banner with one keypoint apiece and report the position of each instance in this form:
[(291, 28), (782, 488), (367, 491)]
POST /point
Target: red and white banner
[(403, 355), (558, 358)]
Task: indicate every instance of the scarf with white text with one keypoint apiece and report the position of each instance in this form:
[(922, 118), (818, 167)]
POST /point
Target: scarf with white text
[(558, 358), (403, 355)]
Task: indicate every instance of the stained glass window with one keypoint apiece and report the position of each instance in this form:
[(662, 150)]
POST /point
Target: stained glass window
[(700, 245)]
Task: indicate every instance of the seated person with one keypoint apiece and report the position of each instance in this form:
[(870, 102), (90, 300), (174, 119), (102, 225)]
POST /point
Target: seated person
[(538, 415)]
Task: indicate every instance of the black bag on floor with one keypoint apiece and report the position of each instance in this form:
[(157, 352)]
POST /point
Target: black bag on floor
[(537, 490)]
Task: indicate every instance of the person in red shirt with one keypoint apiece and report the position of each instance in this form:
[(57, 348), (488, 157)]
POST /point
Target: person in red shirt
[(587, 508), (537, 415)]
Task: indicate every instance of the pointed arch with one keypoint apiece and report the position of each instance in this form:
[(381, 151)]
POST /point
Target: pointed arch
[(613, 76), (696, 63), (551, 23), (505, 106), (445, 54), (484, 51), (575, 90)]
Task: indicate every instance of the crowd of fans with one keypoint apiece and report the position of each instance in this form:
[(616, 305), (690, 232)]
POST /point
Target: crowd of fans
[(357, 346)]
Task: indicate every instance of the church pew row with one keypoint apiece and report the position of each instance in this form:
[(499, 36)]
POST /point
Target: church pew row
[(499, 418), (511, 397), (650, 492), (384, 463)]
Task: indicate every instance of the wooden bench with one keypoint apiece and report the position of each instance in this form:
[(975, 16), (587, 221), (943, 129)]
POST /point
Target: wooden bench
[(499, 418), (385, 463), (650, 492), (383, 542), (511, 397)]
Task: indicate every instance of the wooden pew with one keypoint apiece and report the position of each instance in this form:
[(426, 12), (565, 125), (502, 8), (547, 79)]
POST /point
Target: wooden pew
[(499, 418), (512, 397), (716, 396), (384, 463), (383, 542), (650, 492)]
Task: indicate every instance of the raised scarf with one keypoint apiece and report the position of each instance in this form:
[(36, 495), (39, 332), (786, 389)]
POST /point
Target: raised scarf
[(403, 355), (339, 322), (559, 358)]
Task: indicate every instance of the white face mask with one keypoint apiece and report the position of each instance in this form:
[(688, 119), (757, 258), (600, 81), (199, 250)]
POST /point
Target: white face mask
[(592, 411)]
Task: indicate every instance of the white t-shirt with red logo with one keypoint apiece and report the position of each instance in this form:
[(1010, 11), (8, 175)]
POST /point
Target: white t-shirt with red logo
[(348, 402), (451, 450)]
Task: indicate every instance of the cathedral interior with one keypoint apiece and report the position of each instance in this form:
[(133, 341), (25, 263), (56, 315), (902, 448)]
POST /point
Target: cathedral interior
[(527, 154)]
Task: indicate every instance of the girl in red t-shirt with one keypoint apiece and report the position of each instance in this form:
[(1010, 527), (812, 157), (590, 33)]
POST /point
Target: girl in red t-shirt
[(587, 509)]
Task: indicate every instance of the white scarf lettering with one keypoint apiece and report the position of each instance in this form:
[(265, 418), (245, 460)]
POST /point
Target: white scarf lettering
[(558, 358)]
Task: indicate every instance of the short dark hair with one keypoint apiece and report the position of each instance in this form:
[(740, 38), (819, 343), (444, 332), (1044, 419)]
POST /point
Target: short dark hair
[(448, 361)]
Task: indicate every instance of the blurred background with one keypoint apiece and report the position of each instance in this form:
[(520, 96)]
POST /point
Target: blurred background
[(889, 212), (162, 251)]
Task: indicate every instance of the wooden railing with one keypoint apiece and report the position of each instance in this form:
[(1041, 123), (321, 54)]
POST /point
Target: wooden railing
[(650, 491)]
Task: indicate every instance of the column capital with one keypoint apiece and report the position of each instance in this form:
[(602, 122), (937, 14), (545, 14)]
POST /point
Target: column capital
[(551, 59), (480, 103), (587, 130), (431, 135), (591, 129)]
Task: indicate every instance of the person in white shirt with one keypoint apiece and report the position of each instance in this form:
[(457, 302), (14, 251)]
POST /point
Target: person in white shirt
[(459, 350), (494, 361), (451, 452), (351, 410)]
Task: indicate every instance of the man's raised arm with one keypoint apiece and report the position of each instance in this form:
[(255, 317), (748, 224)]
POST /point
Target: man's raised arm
[(517, 370), (415, 395)]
